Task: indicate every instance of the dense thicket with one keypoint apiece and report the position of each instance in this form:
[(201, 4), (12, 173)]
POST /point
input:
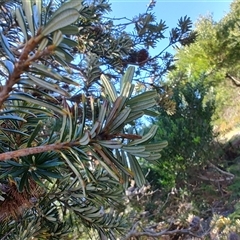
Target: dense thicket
[(215, 55)]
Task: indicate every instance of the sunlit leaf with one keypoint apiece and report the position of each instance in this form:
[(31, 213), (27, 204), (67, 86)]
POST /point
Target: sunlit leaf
[(64, 54), (21, 22), (43, 44), (73, 4), (48, 71), (135, 167), (145, 96), (29, 98), (6, 47), (120, 119), (125, 84), (111, 144), (57, 37), (27, 6), (64, 18), (69, 30), (142, 105), (151, 133), (109, 88), (51, 86), (133, 116)]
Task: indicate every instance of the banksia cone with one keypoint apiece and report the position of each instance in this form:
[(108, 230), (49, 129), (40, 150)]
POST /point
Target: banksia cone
[(136, 57), (142, 56)]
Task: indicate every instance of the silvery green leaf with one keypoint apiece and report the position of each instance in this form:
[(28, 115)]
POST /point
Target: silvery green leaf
[(6, 47), (151, 133), (74, 4), (63, 19), (43, 44), (68, 30), (142, 97), (47, 71), (137, 170), (12, 117), (126, 82), (109, 87), (9, 65), (57, 37), (51, 86), (68, 42), (27, 6), (60, 55), (21, 22), (67, 56), (28, 98)]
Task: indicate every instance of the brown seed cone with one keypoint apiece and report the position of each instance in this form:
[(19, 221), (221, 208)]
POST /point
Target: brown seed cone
[(16, 202)]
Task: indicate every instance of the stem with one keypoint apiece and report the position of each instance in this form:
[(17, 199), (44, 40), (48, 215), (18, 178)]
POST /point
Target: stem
[(21, 65), (35, 150)]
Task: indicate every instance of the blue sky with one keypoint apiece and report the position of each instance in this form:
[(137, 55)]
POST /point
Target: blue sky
[(170, 11)]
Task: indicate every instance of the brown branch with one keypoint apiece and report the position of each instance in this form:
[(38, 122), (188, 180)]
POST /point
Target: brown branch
[(35, 150), (21, 65), (234, 80), (229, 176), (221, 171), (221, 179), (149, 233)]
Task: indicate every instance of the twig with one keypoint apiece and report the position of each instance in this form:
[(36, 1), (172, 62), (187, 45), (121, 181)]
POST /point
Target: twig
[(19, 67), (221, 171), (34, 150), (234, 80), (134, 233)]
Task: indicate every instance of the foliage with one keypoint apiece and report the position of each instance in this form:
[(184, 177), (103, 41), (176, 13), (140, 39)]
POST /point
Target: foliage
[(214, 54), (223, 227), (69, 107), (189, 134)]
